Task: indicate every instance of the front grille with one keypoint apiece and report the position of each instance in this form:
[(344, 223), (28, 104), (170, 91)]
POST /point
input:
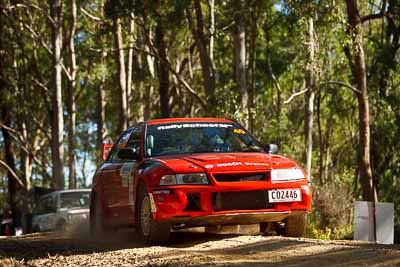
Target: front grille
[(240, 177), (247, 200)]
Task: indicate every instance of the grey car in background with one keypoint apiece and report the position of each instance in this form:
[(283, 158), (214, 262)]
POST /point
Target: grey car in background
[(62, 210)]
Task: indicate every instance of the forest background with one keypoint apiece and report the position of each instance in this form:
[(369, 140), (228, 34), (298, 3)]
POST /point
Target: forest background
[(318, 78)]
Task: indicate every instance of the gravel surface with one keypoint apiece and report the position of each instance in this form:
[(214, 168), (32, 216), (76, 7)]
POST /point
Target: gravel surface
[(191, 249)]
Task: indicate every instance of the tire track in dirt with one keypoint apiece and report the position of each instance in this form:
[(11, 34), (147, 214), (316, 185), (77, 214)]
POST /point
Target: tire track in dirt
[(192, 249)]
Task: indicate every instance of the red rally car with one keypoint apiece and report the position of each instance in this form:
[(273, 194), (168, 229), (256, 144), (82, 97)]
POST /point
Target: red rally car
[(184, 172)]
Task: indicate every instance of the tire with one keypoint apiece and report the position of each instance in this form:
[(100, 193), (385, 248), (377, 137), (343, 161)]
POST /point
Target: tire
[(295, 225), (264, 227), (97, 228), (151, 232)]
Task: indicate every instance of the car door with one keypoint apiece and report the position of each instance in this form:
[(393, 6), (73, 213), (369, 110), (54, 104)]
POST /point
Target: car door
[(46, 213), (128, 173), (118, 177), (110, 181)]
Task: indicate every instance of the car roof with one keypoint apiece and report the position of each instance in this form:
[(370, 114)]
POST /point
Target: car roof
[(66, 191), (177, 120)]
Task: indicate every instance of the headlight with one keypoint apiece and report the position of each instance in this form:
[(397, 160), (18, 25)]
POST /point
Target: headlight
[(186, 178), (286, 175)]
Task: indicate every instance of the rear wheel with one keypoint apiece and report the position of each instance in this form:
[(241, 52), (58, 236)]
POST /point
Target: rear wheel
[(265, 228), (295, 225), (97, 228), (151, 231)]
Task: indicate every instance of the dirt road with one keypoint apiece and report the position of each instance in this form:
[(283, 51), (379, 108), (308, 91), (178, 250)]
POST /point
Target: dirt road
[(192, 249)]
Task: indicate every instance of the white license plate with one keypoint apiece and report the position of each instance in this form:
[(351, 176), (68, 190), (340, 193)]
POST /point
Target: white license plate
[(284, 195)]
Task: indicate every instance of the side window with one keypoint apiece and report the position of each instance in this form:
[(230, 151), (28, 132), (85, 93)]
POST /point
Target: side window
[(53, 205), (129, 139), (47, 205), (40, 208), (135, 139), (119, 144)]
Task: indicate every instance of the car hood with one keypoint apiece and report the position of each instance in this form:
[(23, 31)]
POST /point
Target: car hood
[(225, 162)]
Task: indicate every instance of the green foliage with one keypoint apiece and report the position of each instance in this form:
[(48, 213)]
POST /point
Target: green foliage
[(117, 8), (344, 232)]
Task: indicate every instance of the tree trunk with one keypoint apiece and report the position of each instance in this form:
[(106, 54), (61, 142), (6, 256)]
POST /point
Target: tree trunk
[(71, 102), (26, 157), (252, 63), (121, 73), (162, 72), (130, 68), (205, 61), (278, 110), (239, 38), (101, 104), (364, 159), (212, 28), (57, 110), (85, 146), (321, 141), (101, 95), (148, 89), (309, 95)]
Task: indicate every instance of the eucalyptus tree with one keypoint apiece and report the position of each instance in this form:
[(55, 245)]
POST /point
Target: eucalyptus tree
[(72, 97), (240, 54), (57, 118), (356, 57), (197, 27), (115, 11)]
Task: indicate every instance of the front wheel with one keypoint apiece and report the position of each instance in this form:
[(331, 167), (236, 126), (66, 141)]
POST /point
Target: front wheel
[(295, 225), (151, 231)]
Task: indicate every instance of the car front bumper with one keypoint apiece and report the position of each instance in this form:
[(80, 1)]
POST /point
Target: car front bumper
[(174, 204)]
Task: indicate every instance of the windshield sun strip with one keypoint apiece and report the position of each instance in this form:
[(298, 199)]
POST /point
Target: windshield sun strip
[(253, 141)]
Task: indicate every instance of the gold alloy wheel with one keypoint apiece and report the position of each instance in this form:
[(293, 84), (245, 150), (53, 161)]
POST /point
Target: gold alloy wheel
[(146, 216)]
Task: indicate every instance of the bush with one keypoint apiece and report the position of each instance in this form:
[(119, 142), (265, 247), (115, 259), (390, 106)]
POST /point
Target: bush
[(333, 205), (345, 232), (332, 216)]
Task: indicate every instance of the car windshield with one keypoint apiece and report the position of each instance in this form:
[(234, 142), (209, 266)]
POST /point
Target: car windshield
[(74, 200), (201, 137)]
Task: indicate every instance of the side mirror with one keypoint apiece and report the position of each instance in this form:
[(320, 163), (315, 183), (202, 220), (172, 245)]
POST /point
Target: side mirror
[(271, 149), (105, 151), (128, 153)]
